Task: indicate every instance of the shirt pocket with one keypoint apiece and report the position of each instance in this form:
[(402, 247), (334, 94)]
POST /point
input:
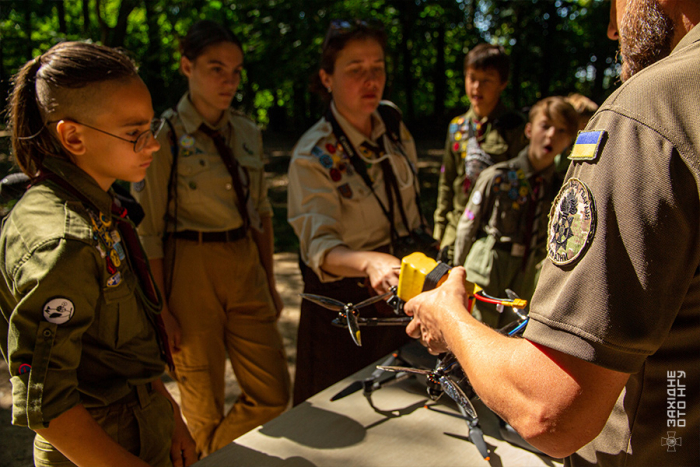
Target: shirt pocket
[(121, 317), (193, 173)]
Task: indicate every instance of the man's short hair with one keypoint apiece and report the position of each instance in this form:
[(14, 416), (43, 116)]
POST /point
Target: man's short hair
[(556, 108), (485, 56)]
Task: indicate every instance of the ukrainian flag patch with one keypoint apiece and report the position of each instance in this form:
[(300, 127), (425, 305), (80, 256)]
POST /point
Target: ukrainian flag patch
[(588, 145)]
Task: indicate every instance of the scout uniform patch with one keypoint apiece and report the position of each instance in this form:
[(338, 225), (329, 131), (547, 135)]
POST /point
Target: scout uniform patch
[(572, 223), (588, 145), (58, 310), (139, 186)]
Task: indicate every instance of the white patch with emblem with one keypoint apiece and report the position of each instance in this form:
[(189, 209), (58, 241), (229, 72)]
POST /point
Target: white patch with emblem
[(58, 310), (572, 223), (476, 198)]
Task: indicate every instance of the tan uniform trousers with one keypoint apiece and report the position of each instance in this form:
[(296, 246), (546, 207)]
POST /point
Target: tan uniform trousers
[(221, 299), (142, 423)]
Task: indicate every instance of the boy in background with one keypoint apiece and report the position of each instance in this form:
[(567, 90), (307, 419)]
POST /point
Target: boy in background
[(501, 236), (486, 134), (585, 108)]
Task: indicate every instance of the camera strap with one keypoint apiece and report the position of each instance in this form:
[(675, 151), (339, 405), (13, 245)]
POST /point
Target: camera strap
[(390, 182)]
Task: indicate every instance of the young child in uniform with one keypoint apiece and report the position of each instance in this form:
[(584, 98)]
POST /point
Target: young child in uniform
[(79, 311), (501, 235), (585, 108), (488, 133)]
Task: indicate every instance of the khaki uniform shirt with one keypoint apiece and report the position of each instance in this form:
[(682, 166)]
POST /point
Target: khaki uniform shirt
[(502, 139), (206, 197), (629, 297), (329, 204), (75, 328)]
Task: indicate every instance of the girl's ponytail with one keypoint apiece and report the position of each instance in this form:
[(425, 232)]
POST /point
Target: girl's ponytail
[(30, 143), (52, 86)]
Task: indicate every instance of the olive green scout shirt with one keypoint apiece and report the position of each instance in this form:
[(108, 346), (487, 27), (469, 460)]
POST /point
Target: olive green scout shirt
[(206, 196), (621, 286), (74, 329), (502, 139)]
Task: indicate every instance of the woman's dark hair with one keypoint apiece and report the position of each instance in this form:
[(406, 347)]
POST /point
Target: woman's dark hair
[(339, 34), (51, 86), (204, 33)]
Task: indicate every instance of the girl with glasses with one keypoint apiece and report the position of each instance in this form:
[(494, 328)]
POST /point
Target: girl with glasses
[(81, 334), (352, 196), (208, 235)]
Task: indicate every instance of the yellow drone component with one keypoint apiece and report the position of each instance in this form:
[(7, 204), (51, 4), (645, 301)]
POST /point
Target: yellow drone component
[(416, 267)]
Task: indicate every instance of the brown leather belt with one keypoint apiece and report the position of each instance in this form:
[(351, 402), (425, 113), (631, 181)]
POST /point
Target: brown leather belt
[(225, 236)]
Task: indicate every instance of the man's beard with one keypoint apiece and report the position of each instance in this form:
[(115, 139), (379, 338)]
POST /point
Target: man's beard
[(646, 35)]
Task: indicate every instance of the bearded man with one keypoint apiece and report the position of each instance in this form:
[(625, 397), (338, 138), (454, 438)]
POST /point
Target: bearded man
[(608, 372)]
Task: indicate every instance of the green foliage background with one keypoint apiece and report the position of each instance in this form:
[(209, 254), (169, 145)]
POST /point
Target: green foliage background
[(556, 46)]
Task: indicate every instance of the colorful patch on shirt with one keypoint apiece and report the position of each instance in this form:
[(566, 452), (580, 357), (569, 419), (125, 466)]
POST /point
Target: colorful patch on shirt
[(186, 141), (476, 198), (120, 251), (330, 148), (318, 152), (114, 280), (139, 186), (326, 161), (572, 223), (588, 145), (114, 256), (469, 215), (336, 175), (453, 127), (58, 310), (458, 136), (24, 368), (345, 191)]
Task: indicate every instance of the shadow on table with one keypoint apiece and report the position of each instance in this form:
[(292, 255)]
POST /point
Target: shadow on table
[(316, 428), (233, 451)]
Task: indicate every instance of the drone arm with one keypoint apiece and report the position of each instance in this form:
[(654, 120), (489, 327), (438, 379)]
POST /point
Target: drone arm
[(557, 402)]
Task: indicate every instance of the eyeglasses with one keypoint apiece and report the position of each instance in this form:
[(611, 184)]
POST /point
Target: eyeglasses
[(339, 27), (141, 140)]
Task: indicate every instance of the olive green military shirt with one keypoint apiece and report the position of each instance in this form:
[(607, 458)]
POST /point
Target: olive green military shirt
[(621, 287), (503, 205), (206, 198), (329, 203), (75, 329), (502, 139)]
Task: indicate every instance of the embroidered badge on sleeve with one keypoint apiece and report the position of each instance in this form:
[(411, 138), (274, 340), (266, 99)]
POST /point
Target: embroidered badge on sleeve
[(572, 223), (588, 145)]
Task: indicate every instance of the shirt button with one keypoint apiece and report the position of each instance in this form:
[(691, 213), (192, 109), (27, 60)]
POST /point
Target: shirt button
[(229, 186), (192, 185), (47, 333)]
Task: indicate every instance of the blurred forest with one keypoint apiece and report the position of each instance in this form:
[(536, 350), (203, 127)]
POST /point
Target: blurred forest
[(556, 47)]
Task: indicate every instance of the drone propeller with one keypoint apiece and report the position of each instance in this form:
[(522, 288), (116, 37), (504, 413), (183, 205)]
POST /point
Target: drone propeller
[(326, 302)]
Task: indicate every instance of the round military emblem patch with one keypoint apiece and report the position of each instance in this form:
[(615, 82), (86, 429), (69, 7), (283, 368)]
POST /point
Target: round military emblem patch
[(58, 310), (571, 223)]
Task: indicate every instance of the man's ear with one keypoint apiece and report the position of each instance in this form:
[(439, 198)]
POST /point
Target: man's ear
[(72, 137), (185, 66), (528, 130)]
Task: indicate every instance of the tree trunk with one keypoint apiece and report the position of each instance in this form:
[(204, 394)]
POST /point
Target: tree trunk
[(119, 31), (61, 12), (86, 17), (440, 77), (152, 71)]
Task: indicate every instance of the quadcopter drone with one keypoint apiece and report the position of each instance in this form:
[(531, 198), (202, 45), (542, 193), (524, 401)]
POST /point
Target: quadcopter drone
[(420, 273)]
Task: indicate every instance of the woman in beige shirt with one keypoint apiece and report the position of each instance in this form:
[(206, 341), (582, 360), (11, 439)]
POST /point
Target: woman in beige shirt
[(348, 221)]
